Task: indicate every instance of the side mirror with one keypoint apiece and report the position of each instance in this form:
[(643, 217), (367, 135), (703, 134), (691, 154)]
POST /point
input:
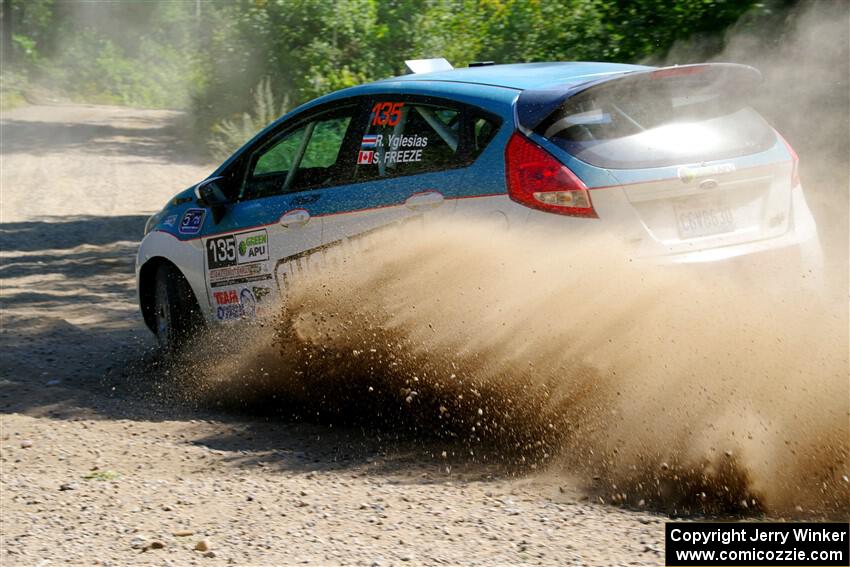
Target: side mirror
[(209, 193)]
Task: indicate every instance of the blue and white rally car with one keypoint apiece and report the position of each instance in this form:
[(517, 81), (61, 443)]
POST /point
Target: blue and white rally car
[(673, 159)]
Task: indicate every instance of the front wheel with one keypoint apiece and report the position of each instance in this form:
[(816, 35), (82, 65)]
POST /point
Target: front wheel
[(176, 315)]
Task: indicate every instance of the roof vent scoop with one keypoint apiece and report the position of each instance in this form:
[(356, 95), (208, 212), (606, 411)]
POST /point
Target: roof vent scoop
[(417, 66)]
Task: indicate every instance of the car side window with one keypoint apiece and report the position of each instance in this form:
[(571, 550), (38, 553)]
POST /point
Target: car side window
[(405, 137), (279, 158), (483, 131), (308, 156)]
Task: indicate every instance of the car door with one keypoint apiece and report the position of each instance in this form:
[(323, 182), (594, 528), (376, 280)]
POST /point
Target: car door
[(267, 234), (409, 163)]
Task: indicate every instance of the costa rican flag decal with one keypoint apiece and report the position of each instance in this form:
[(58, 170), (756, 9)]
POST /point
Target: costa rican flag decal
[(369, 141)]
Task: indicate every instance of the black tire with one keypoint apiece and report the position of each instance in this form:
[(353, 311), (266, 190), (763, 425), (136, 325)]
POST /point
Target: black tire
[(176, 315)]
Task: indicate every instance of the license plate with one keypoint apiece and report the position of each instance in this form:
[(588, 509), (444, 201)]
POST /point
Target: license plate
[(703, 215)]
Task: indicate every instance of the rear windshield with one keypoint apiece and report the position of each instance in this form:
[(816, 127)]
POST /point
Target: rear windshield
[(656, 123)]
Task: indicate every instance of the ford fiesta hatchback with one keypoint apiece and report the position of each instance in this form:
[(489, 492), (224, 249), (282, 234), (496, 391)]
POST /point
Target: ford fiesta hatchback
[(672, 159)]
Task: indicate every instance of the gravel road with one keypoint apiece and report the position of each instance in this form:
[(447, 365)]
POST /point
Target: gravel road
[(101, 466)]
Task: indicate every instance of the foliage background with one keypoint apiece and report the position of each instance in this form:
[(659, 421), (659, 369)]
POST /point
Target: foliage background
[(232, 64)]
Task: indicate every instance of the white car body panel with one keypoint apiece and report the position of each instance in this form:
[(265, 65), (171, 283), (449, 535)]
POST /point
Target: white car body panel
[(187, 255)]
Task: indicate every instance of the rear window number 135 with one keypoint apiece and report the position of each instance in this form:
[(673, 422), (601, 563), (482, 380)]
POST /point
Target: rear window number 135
[(387, 113)]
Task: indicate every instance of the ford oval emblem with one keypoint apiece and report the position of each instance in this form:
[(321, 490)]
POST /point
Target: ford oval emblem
[(708, 184)]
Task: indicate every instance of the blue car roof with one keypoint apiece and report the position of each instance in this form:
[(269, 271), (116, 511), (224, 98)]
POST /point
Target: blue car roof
[(522, 76), (514, 77)]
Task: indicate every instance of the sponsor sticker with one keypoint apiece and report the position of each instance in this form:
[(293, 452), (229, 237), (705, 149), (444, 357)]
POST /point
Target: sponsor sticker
[(234, 259), (221, 252), (237, 249), (260, 292), (229, 312), (237, 303), (230, 275), (226, 297), (252, 246), (228, 305), (192, 221), (169, 220), (249, 303)]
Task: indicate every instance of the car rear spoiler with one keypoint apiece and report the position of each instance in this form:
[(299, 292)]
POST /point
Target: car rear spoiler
[(535, 105)]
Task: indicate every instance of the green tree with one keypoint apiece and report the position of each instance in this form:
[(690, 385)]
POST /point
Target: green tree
[(167, 53)]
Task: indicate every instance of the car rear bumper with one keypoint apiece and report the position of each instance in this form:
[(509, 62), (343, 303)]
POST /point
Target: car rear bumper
[(621, 223), (802, 232)]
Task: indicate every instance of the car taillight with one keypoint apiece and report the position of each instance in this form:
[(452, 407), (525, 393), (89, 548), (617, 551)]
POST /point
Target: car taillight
[(536, 179), (795, 161)]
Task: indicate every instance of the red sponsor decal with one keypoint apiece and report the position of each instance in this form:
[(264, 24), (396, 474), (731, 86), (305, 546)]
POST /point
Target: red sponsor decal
[(226, 297)]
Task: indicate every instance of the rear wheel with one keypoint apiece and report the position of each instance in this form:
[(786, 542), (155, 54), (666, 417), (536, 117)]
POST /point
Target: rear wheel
[(176, 315)]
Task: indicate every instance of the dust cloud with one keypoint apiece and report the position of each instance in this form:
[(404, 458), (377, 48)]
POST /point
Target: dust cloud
[(803, 53), (683, 389), (718, 389)]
